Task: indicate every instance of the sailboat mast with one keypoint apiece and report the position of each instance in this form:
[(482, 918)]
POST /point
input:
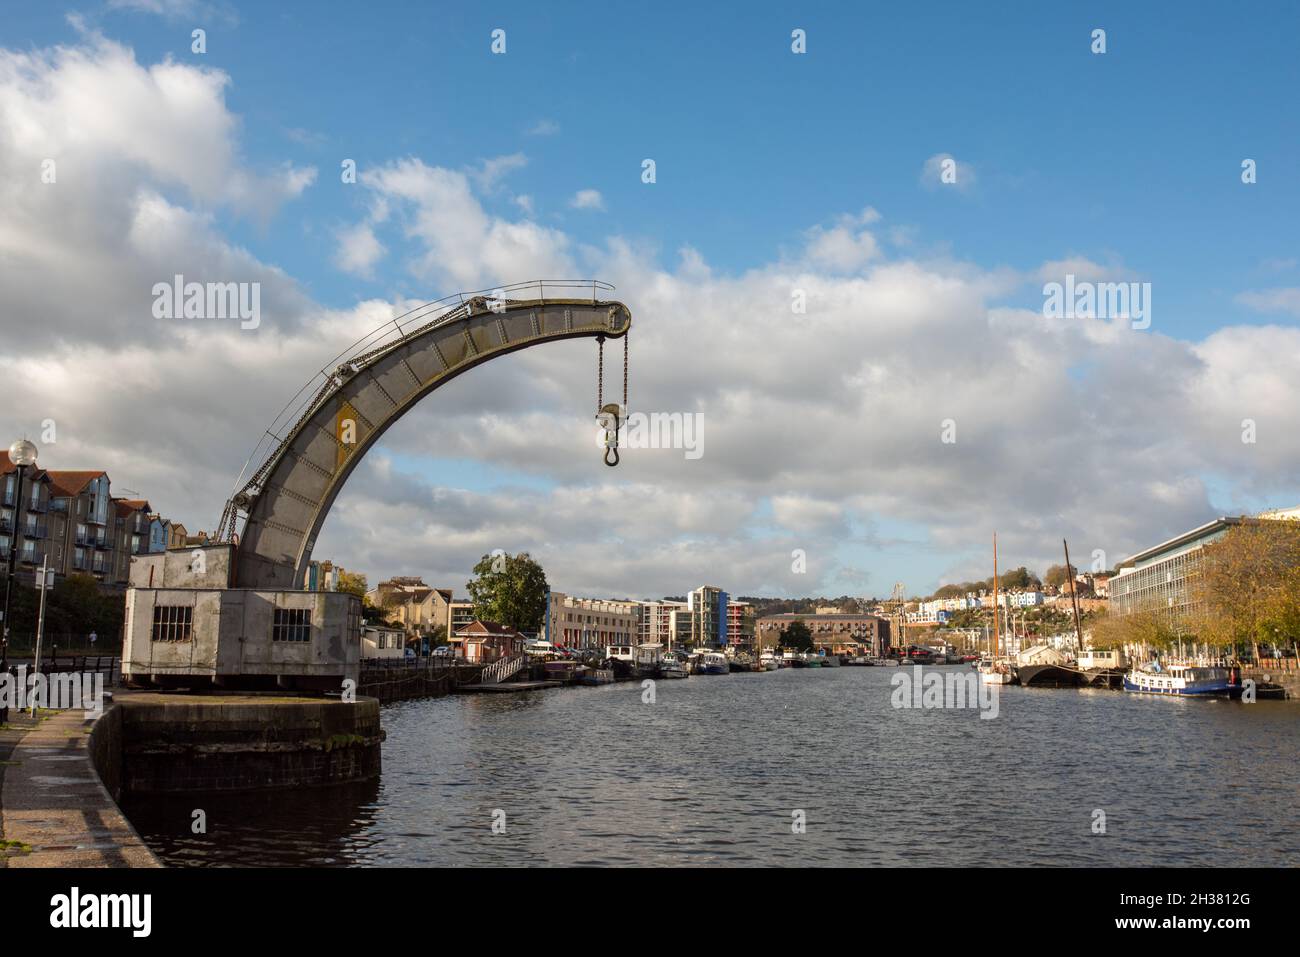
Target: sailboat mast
[(1074, 599), (997, 633)]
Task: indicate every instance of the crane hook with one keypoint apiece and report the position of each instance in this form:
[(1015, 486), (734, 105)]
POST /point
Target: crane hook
[(608, 417)]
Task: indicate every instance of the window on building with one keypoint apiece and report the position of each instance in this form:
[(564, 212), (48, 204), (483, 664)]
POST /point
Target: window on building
[(172, 622), (291, 624)]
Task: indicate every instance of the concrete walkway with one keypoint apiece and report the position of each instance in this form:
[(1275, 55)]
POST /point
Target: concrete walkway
[(54, 811)]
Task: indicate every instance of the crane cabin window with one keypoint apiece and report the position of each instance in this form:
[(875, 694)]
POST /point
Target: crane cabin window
[(291, 624), (172, 622)]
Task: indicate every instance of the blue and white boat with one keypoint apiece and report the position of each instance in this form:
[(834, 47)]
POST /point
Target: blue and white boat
[(1186, 680), (714, 663)]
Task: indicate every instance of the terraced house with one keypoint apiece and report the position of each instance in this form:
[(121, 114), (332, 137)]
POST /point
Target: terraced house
[(421, 610)]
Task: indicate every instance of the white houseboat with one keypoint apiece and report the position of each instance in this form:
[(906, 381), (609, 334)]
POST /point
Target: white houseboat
[(1185, 680)]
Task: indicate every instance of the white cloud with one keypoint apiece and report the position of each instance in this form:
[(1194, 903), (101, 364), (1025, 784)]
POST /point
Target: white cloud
[(587, 199), (491, 171), (816, 426), (844, 247), (544, 127), (459, 245), (358, 250), (176, 10), (935, 170), (1273, 301)]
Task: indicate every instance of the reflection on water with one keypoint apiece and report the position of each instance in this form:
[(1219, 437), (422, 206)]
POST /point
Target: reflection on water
[(712, 772)]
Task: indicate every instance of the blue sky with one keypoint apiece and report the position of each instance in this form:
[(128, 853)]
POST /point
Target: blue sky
[(1074, 153), (1128, 162)]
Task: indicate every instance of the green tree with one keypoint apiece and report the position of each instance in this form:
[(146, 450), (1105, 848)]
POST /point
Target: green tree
[(510, 589), (73, 609), (797, 636), (1017, 578)]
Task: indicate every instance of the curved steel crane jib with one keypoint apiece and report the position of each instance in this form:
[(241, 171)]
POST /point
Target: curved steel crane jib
[(295, 489)]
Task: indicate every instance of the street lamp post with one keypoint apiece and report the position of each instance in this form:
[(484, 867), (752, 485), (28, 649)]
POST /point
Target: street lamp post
[(22, 453)]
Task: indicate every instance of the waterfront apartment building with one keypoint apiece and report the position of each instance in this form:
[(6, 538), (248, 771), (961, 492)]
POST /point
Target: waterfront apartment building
[(589, 623), (708, 605), (740, 624), (665, 622), (70, 519), (838, 634), (1157, 579)]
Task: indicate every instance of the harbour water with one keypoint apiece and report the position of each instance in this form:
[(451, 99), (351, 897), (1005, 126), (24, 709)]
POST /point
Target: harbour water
[(715, 770)]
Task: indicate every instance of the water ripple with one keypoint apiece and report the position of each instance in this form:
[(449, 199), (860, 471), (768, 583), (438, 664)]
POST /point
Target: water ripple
[(714, 772)]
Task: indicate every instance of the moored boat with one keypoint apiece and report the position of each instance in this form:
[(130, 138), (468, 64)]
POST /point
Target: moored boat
[(1182, 680), (714, 663), (563, 670), (1103, 668), (1044, 667), (995, 672), (673, 665), (647, 657)]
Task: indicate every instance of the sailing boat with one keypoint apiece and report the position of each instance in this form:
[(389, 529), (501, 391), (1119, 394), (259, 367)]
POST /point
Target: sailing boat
[(1043, 665), (992, 670)]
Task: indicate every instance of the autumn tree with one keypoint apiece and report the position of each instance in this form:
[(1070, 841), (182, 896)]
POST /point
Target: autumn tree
[(1246, 586), (354, 583), (1056, 576), (1150, 629)]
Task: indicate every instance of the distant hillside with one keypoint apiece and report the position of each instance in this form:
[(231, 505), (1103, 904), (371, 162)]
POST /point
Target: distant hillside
[(804, 606)]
